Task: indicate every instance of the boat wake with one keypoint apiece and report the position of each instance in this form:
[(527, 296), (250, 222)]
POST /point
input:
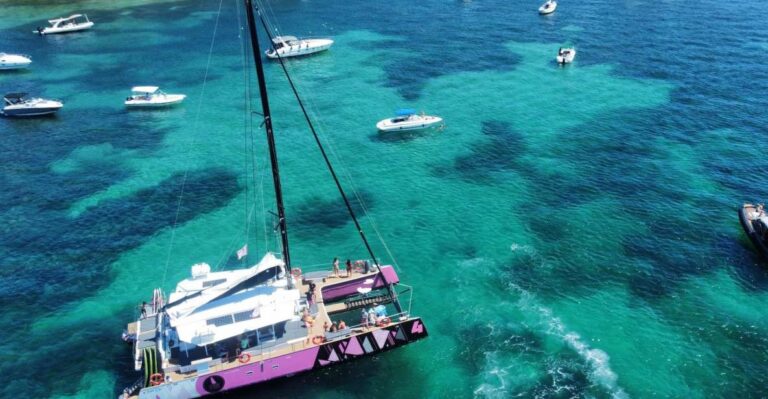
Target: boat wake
[(598, 361)]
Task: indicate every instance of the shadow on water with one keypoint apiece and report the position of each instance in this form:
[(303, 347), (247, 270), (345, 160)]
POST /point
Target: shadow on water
[(498, 151), (72, 258), (402, 136), (318, 213)]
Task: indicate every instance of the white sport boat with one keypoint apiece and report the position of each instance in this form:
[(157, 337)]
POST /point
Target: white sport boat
[(548, 8), (18, 104), (291, 46), (408, 119), (72, 23), (152, 96), (565, 55), (14, 61)]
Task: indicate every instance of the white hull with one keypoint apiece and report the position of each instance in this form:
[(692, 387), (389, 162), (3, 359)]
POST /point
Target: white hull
[(66, 28), (37, 107), (548, 8), (161, 100), (567, 58), (303, 47), (416, 122), (13, 61)]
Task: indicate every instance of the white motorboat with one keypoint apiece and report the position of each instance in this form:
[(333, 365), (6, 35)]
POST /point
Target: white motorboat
[(18, 104), (407, 119), (548, 7), (14, 61), (565, 55), (291, 46), (152, 96), (72, 23)]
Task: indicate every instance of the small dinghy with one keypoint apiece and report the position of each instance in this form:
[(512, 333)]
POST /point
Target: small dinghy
[(14, 61), (152, 96), (17, 104), (407, 119), (565, 55), (548, 8), (755, 223), (291, 46), (72, 23)]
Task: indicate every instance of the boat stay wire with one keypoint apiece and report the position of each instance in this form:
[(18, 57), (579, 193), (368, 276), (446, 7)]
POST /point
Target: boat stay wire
[(348, 205), (194, 125)]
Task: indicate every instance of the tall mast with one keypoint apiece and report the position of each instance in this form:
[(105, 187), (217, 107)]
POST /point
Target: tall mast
[(270, 138)]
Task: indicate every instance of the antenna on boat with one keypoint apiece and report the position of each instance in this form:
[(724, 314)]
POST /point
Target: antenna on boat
[(351, 212), (270, 140)]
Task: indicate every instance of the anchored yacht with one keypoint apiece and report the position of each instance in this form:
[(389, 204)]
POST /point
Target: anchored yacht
[(72, 23), (291, 46), (565, 55), (548, 8), (14, 61), (408, 119), (18, 104), (151, 97)]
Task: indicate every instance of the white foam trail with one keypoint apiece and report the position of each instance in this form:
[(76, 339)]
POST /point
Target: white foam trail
[(598, 361)]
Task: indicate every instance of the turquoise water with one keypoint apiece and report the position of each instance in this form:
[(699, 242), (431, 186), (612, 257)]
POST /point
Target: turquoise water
[(572, 232)]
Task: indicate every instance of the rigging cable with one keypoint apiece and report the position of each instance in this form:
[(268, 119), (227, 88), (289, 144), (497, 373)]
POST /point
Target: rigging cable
[(351, 212), (194, 126)]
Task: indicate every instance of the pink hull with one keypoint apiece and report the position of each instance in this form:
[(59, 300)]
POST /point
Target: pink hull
[(393, 336)]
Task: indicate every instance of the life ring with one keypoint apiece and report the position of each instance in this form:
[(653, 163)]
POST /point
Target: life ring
[(244, 357), (296, 271), (156, 379), (384, 322), (318, 339)]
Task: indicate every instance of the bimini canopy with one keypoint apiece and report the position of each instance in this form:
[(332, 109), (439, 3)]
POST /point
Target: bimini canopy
[(15, 96), (405, 112), (53, 21), (280, 39), (145, 89)]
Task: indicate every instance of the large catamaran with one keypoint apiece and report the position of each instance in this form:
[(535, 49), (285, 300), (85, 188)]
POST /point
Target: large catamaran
[(224, 330)]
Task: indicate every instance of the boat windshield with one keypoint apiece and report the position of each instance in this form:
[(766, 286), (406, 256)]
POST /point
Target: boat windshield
[(15, 98)]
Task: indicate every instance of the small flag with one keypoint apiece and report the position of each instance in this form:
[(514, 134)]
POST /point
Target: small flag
[(242, 252)]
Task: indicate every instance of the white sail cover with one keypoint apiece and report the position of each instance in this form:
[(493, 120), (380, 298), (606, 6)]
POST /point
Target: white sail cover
[(217, 312)]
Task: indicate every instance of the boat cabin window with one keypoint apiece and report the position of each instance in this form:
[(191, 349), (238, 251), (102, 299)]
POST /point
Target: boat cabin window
[(220, 321), (266, 334), (211, 283), (243, 316)]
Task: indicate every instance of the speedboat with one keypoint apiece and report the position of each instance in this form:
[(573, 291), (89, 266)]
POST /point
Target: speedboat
[(291, 46), (152, 96), (14, 61), (548, 7), (755, 223), (72, 23), (18, 104), (407, 119), (565, 55)]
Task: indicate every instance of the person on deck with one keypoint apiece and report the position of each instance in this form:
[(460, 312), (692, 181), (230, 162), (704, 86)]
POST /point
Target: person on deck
[(342, 325), (349, 268), (335, 267)]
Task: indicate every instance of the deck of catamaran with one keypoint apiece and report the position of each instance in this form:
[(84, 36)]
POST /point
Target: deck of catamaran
[(336, 297)]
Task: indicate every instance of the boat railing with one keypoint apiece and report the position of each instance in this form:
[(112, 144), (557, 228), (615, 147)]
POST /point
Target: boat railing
[(328, 266), (266, 352)]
